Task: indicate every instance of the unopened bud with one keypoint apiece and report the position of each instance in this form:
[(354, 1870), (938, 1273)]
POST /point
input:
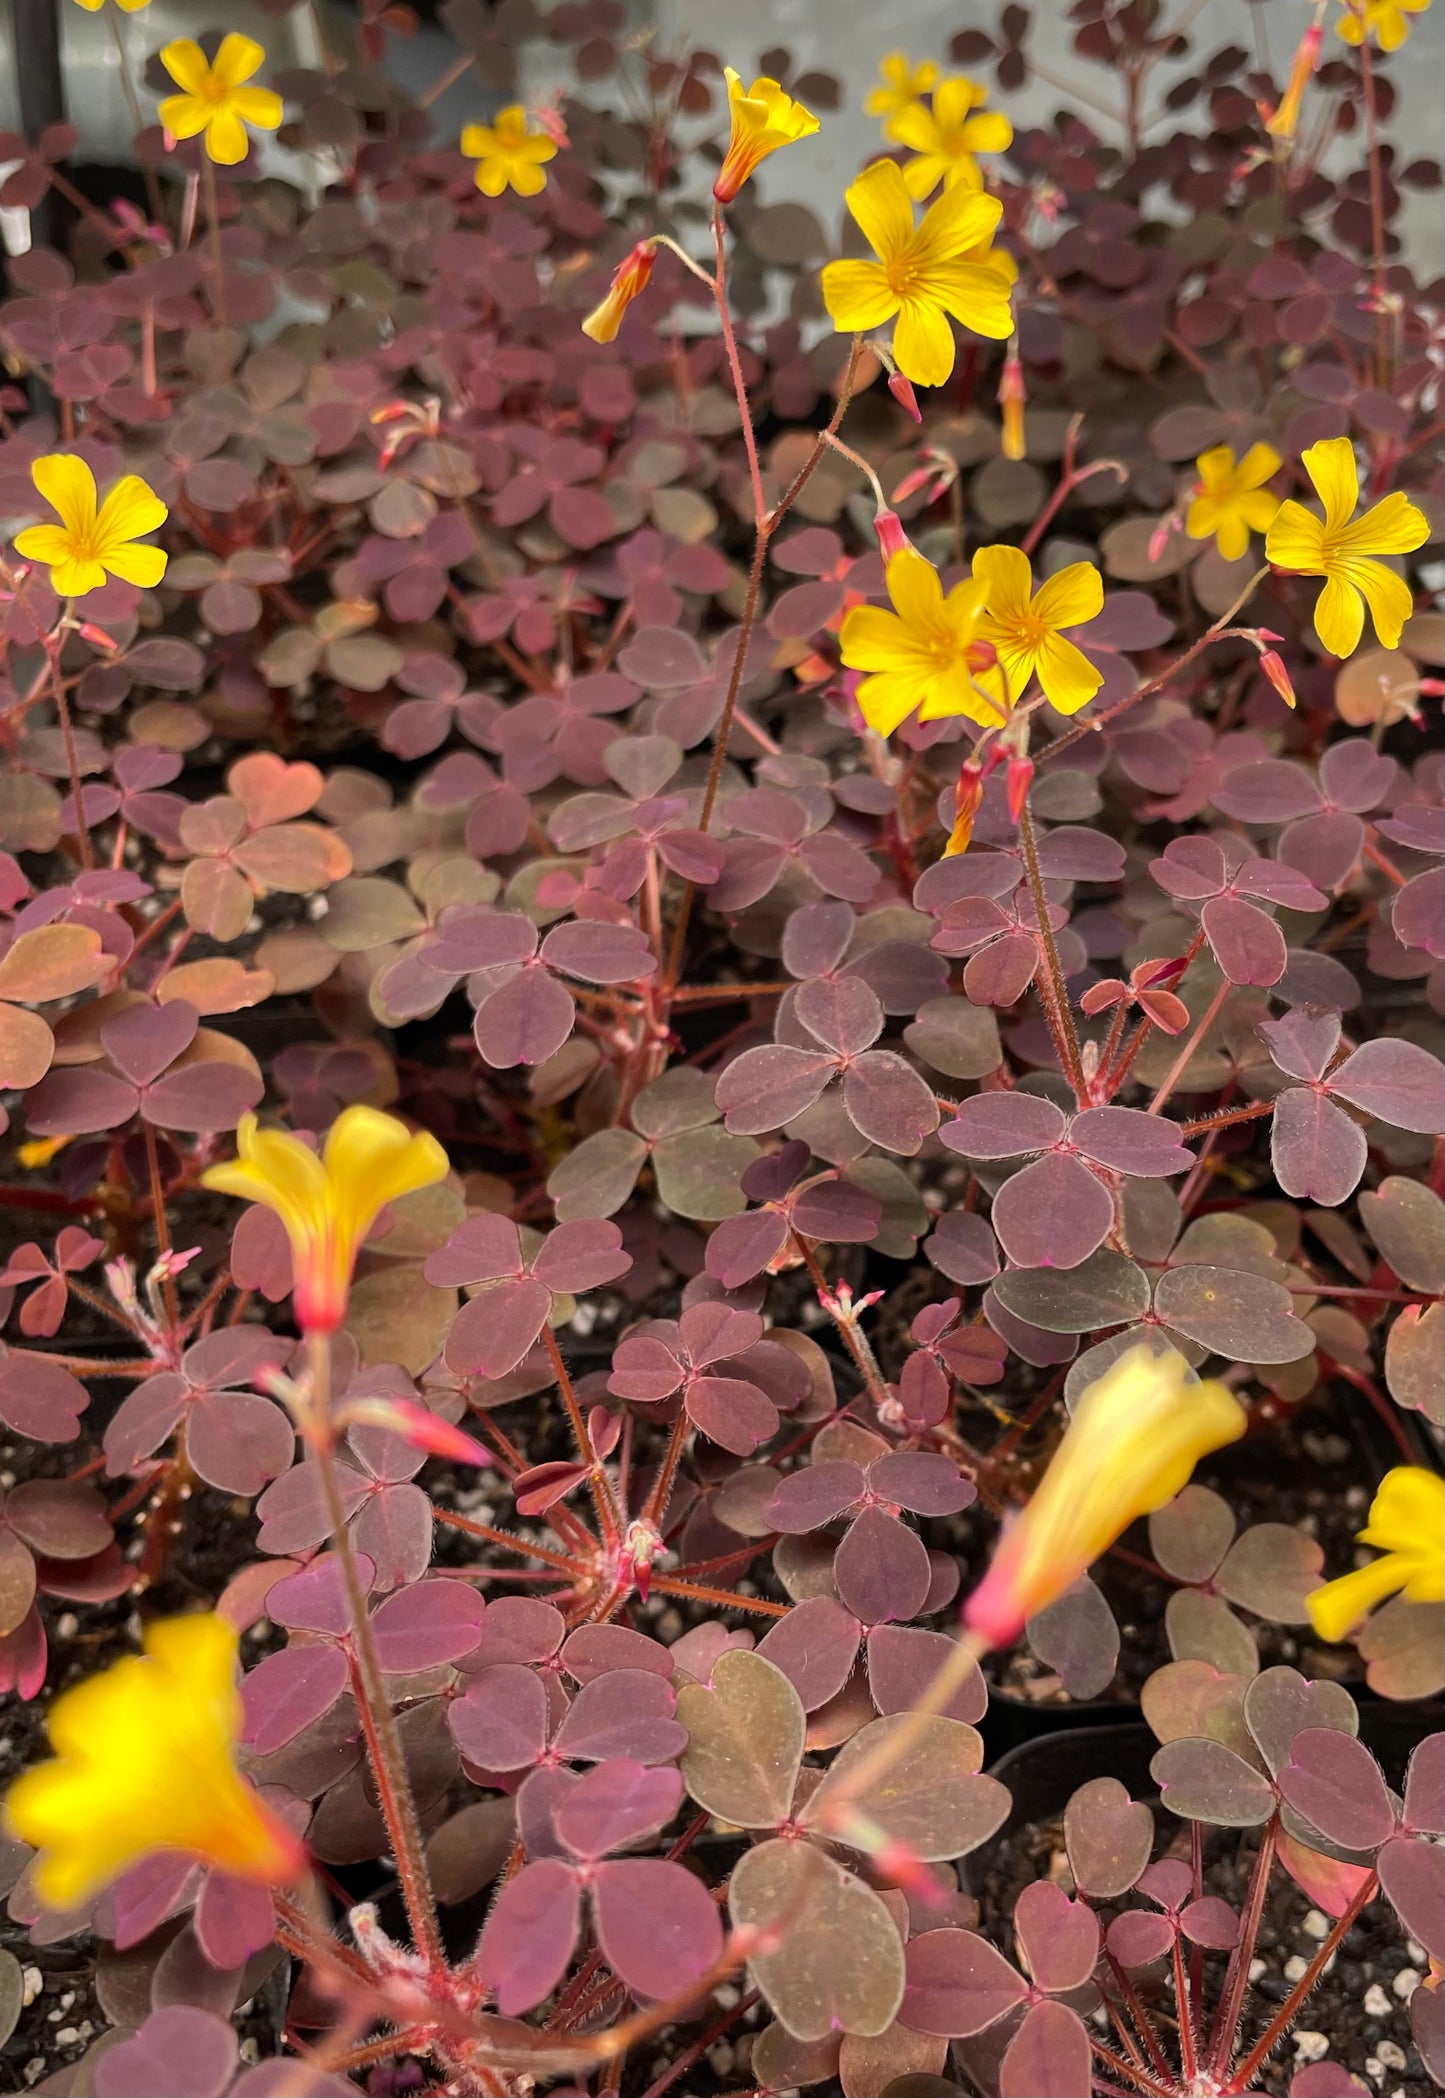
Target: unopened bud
[(892, 539), (1011, 399), (902, 392), (1273, 666), (629, 281), (966, 799), (1020, 778), (97, 636), (1283, 122)]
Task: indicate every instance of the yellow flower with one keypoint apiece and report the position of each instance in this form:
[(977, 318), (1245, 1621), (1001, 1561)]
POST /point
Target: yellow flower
[(1024, 625), (214, 97), (1384, 20), (127, 7), (1232, 500), (900, 84), (1339, 550), (630, 280), (925, 654), (946, 137), (763, 118), (1283, 122), (90, 543), (328, 1204), (1407, 1524), (923, 273), (508, 154), (143, 1762), (1136, 1435)]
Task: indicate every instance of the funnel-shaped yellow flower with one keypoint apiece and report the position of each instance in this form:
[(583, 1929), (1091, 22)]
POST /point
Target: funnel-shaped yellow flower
[(127, 7), (143, 1762), (1232, 500), (328, 1204), (900, 84), (1025, 626), (214, 97), (509, 155), (1383, 21), (946, 137), (1339, 550), (1407, 1524), (763, 118), (629, 281), (926, 653), (93, 541), (1136, 1435), (923, 273)]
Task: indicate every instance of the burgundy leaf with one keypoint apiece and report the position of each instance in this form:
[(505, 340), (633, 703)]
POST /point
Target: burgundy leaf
[(1398, 1081), (581, 1256), (921, 1481), (501, 1721), (731, 1413), (957, 1984), (1049, 2056), (1059, 1938), (1303, 1041), (524, 1022), (888, 1102), (237, 1440), (657, 1926), (841, 1012), (627, 1712), (1318, 1152), (1053, 1214), (492, 1332), (764, 1088), (1248, 946), (1145, 1146), (178, 2048), (528, 1938), (1412, 1874), (1004, 1125), (1335, 1783), (902, 1662), (815, 1646), (423, 1625), (1425, 1788), (616, 1804), (287, 1692), (815, 1496), (599, 952), (882, 1570)]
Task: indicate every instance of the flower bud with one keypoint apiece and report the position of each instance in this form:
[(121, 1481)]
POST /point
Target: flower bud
[(1283, 122), (629, 280), (902, 392), (1273, 666), (1011, 399), (892, 539), (1020, 778)]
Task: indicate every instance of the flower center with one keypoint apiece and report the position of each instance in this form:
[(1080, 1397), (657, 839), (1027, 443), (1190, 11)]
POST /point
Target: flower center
[(903, 276)]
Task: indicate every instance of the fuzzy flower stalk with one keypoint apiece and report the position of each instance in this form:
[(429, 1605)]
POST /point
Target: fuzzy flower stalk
[(144, 1762), (329, 1203), (1136, 1435)]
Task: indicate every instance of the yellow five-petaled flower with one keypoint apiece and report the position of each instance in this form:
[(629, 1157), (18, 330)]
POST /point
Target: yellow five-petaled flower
[(214, 98), (1232, 500), (1340, 550), (1407, 1525), (1382, 20), (1026, 626), (509, 153), (926, 654), (925, 273), (946, 137), (1136, 1435), (93, 540), (763, 118), (328, 1203), (144, 1762), (900, 84)]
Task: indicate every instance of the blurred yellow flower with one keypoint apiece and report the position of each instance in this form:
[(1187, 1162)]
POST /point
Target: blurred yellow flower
[(629, 281), (509, 155), (1340, 550), (1136, 1435), (328, 1203), (946, 137), (1407, 1524), (1381, 20), (1282, 123), (143, 1762), (925, 654), (1232, 500), (924, 273), (1025, 625), (127, 7), (93, 541), (763, 118), (214, 97), (900, 84)]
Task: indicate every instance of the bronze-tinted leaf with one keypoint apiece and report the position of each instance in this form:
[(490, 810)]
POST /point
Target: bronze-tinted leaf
[(838, 1965), (745, 1741)]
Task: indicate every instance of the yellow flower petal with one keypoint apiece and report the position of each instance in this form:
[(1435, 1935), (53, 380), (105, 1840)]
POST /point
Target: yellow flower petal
[(880, 205), (1389, 597), (1072, 597), (1339, 1606), (857, 295), (1394, 526), (1407, 1515), (238, 58), (184, 116), (141, 565), (1330, 464), (1296, 540), (185, 61), (1068, 677), (975, 295), (1339, 616), (130, 510), (68, 485), (260, 107), (226, 139), (527, 179), (1259, 464), (48, 543), (1008, 578), (960, 219), (923, 343)]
